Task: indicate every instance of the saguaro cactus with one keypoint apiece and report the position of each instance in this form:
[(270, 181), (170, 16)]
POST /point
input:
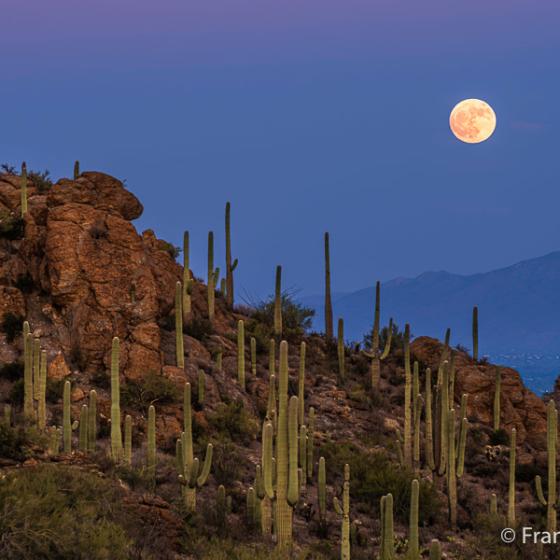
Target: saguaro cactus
[(128, 440), (42, 400), (344, 511), (253, 345), (511, 486), (310, 442), (387, 528), (301, 384), (36, 367), (267, 476), (407, 399), (341, 349), (187, 286), (413, 542), (328, 300), (322, 490), (551, 437), (179, 343), (28, 408), (429, 439), (210, 282), (66, 418), (475, 333), (435, 550), (116, 434), (83, 434), (278, 302), (151, 450), (76, 169), (241, 353), (23, 189), (230, 266), (451, 468), (92, 421), (376, 355), (191, 475), (272, 357), (497, 396)]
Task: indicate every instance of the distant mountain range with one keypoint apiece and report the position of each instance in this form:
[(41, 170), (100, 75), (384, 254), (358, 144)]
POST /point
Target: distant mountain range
[(519, 309)]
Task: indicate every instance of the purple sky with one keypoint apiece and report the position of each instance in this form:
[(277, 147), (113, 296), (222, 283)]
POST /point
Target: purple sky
[(308, 116)]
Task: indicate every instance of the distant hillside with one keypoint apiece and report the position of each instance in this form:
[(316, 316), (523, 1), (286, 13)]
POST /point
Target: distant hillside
[(519, 306)]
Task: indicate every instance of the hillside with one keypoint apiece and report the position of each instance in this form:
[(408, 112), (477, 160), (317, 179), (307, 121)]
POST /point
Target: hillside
[(75, 268)]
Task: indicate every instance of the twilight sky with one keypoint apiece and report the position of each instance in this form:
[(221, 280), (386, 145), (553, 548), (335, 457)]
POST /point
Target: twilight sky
[(308, 116)]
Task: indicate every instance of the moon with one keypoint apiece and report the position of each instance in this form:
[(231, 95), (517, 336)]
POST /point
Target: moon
[(472, 121)]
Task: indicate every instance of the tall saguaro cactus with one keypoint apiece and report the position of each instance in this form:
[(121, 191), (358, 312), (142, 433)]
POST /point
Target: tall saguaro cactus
[(116, 434), (429, 435), (230, 266), (341, 350), (83, 434), (76, 169), (128, 440), (253, 346), (407, 399), (23, 189), (376, 355), (42, 400), (278, 302), (328, 300), (187, 286), (413, 542), (28, 408), (67, 418), (191, 474), (551, 437), (179, 343), (344, 511), (92, 421), (497, 396), (387, 528), (211, 276), (301, 384), (475, 333), (241, 353)]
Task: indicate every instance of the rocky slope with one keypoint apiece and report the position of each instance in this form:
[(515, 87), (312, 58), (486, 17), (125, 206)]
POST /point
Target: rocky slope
[(81, 274)]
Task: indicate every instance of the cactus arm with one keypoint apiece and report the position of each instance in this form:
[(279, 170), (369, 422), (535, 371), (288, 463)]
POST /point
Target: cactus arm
[(206, 466)]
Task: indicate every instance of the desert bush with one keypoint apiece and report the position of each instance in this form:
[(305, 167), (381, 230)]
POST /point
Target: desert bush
[(227, 463), (11, 371), (373, 475), (60, 512), (234, 422), (171, 249), (296, 319), (397, 341), (12, 325), (198, 327), (12, 227), (150, 389), (41, 180)]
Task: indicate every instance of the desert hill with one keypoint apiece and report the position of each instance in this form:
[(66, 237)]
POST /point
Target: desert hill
[(77, 270)]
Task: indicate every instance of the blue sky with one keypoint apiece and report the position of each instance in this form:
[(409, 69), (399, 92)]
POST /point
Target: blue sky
[(308, 116)]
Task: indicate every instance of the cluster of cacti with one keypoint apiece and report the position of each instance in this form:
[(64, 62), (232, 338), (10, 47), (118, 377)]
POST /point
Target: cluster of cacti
[(241, 353), (179, 344), (376, 355), (552, 442), (191, 475), (230, 266), (328, 300)]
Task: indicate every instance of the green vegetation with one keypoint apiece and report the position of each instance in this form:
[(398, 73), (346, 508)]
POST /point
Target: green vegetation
[(150, 389)]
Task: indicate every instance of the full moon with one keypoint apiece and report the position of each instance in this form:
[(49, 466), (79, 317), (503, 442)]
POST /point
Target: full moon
[(472, 121)]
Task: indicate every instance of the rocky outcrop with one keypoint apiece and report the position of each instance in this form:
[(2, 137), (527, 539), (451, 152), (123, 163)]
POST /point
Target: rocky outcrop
[(520, 407)]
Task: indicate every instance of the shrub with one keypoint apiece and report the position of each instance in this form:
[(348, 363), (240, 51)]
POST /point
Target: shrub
[(12, 371), (41, 180), (397, 341), (499, 437), (234, 422), (16, 443), (12, 227), (173, 250), (12, 325), (198, 327), (153, 388), (60, 512), (16, 393), (374, 475), (8, 169), (227, 463), (296, 319)]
